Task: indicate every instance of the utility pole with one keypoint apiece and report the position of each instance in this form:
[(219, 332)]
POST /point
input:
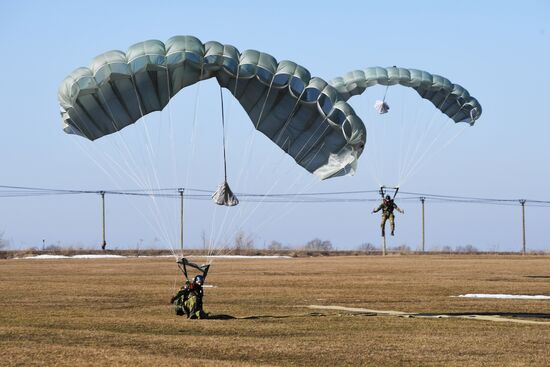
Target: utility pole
[(181, 190), (522, 202), (422, 200), (103, 243)]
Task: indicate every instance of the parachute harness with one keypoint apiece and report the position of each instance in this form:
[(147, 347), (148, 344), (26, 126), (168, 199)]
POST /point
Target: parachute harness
[(384, 190), (183, 263)]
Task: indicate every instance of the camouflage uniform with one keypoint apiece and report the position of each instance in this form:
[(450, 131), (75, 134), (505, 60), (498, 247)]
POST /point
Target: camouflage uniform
[(188, 301), (387, 208)]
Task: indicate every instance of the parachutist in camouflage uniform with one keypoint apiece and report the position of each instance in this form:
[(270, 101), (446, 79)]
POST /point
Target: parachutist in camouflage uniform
[(188, 300), (387, 207)]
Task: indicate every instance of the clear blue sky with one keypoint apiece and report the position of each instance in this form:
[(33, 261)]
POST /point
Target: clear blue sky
[(499, 51)]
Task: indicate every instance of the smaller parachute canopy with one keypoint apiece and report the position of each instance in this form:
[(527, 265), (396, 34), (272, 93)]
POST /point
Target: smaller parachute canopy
[(451, 99)]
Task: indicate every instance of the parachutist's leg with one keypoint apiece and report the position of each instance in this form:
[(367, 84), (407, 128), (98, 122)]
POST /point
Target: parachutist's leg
[(180, 307), (383, 225), (392, 223), (192, 308)]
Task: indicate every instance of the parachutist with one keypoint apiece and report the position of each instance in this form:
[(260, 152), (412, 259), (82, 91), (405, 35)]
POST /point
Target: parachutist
[(188, 300), (387, 207)]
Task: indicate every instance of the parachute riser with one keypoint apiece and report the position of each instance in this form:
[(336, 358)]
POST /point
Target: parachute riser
[(183, 263), (384, 190)]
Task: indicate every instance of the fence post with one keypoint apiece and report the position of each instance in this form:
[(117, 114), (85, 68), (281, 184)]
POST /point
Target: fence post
[(524, 248), (181, 190), (104, 242), (422, 200)]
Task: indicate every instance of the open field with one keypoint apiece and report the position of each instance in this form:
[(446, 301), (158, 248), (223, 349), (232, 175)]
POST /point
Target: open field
[(115, 312)]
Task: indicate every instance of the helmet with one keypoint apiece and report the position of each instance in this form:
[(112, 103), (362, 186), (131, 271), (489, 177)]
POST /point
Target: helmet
[(388, 197), (199, 279)]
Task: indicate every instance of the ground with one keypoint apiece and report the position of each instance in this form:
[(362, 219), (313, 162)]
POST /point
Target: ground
[(116, 312)]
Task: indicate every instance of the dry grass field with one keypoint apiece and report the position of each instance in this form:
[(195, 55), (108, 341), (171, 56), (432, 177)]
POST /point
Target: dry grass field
[(116, 312)]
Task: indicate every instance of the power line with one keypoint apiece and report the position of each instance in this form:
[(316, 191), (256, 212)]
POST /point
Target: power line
[(356, 196)]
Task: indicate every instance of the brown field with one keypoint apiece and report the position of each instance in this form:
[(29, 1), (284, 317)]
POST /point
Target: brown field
[(115, 312)]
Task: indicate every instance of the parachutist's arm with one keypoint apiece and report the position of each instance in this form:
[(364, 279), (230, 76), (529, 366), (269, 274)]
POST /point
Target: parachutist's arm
[(398, 209), (377, 209), (181, 292)]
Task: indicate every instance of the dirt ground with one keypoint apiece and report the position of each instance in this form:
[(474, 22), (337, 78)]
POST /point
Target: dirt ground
[(277, 312)]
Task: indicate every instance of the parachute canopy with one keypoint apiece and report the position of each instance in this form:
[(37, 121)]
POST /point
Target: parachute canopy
[(451, 99), (306, 117)]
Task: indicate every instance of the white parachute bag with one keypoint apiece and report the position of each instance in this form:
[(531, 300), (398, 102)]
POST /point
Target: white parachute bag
[(224, 196), (381, 106)]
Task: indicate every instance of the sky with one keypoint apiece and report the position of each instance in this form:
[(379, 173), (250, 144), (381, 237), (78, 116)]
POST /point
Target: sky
[(498, 50)]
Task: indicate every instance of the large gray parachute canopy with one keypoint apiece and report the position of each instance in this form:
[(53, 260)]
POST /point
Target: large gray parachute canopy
[(451, 99), (305, 116)]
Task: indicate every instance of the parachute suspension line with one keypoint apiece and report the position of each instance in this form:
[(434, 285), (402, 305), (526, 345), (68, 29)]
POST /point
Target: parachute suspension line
[(188, 168), (274, 184), (129, 161), (422, 146), (281, 131), (420, 160), (288, 119), (289, 206), (265, 102), (420, 129), (115, 163), (223, 138), (282, 158), (189, 161), (174, 160), (161, 224), (403, 134), (194, 128), (371, 145), (251, 138), (251, 143), (120, 136), (171, 128), (223, 195), (311, 137), (246, 159), (385, 93), (424, 142), (385, 129), (263, 199), (211, 241), (224, 169)]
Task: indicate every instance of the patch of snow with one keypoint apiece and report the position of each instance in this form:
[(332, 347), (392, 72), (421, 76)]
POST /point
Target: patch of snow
[(53, 257), (91, 256), (42, 257), (502, 296)]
